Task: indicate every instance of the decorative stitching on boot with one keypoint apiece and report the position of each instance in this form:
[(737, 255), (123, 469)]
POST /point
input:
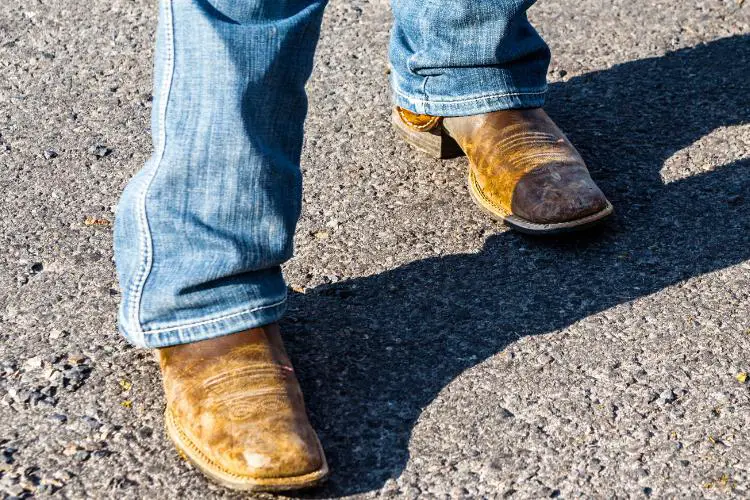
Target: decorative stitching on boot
[(254, 370)]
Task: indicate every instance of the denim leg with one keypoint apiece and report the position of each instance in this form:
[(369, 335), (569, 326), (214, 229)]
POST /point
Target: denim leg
[(202, 229), (465, 57)]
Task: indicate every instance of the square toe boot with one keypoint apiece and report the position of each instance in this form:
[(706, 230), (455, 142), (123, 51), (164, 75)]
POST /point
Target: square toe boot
[(522, 168), (235, 410)]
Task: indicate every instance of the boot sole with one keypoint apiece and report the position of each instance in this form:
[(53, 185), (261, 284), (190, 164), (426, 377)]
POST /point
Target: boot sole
[(438, 144), (235, 481)]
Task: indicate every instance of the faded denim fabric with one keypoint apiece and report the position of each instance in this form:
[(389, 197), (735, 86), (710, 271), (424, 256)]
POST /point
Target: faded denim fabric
[(202, 230), (466, 57)]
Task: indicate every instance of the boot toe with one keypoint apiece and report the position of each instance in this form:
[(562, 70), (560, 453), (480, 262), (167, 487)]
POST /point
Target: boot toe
[(291, 454), (557, 193), (285, 455)]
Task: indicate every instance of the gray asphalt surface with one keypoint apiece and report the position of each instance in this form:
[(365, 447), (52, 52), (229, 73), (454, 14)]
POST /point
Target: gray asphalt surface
[(441, 355)]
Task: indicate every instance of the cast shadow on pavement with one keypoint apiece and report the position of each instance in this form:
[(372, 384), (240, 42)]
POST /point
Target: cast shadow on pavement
[(372, 352)]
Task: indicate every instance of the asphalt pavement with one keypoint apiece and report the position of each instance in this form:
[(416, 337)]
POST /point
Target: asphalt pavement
[(441, 355)]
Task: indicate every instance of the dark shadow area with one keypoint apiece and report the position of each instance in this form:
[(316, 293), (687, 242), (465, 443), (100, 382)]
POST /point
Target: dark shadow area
[(372, 352)]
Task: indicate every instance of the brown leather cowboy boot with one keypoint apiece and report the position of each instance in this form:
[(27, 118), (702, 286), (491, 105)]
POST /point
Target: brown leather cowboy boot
[(235, 409), (522, 168)]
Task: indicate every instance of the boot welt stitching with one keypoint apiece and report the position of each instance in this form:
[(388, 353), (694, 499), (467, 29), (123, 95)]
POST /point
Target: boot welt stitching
[(478, 188)]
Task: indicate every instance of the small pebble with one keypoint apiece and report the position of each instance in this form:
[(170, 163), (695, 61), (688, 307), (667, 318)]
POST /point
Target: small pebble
[(668, 396), (34, 363), (57, 334), (59, 418), (63, 475), (56, 377), (77, 359), (91, 422), (6, 457), (71, 449), (99, 150), (145, 432)]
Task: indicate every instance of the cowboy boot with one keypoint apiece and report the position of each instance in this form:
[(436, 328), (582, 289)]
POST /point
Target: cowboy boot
[(235, 410), (522, 168)]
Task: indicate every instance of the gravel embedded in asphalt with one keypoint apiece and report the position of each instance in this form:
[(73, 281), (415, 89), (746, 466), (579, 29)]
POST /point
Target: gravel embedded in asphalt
[(441, 355)]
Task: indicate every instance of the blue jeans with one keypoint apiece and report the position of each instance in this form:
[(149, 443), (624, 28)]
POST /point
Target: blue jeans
[(202, 230)]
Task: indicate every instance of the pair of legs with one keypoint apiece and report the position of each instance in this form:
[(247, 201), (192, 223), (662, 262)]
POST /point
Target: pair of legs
[(204, 227)]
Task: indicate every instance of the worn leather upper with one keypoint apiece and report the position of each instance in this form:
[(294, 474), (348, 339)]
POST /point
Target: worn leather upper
[(524, 164), (237, 401)]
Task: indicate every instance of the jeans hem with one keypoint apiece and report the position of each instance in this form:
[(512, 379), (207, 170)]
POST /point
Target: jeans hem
[(530, 98), (209, 328)]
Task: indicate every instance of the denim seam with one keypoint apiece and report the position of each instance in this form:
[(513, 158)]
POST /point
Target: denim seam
[(424, 90), (460, 101), (214, 320), (145, 229)]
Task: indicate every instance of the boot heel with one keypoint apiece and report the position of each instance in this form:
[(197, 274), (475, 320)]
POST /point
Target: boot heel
[(436, 142)]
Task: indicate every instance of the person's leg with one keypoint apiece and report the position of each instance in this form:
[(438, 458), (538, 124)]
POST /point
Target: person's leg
[(466, 57), (470, 76), (203, 228)]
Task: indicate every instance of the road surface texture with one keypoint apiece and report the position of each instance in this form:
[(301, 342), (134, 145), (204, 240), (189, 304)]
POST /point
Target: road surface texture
[(442, 356)]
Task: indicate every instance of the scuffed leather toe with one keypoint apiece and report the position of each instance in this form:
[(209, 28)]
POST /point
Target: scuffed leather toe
[(291, 450), (557, 193)]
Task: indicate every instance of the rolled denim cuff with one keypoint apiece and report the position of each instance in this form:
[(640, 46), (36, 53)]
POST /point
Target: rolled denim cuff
[(471, 105), (207, 328), (466, 57)]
